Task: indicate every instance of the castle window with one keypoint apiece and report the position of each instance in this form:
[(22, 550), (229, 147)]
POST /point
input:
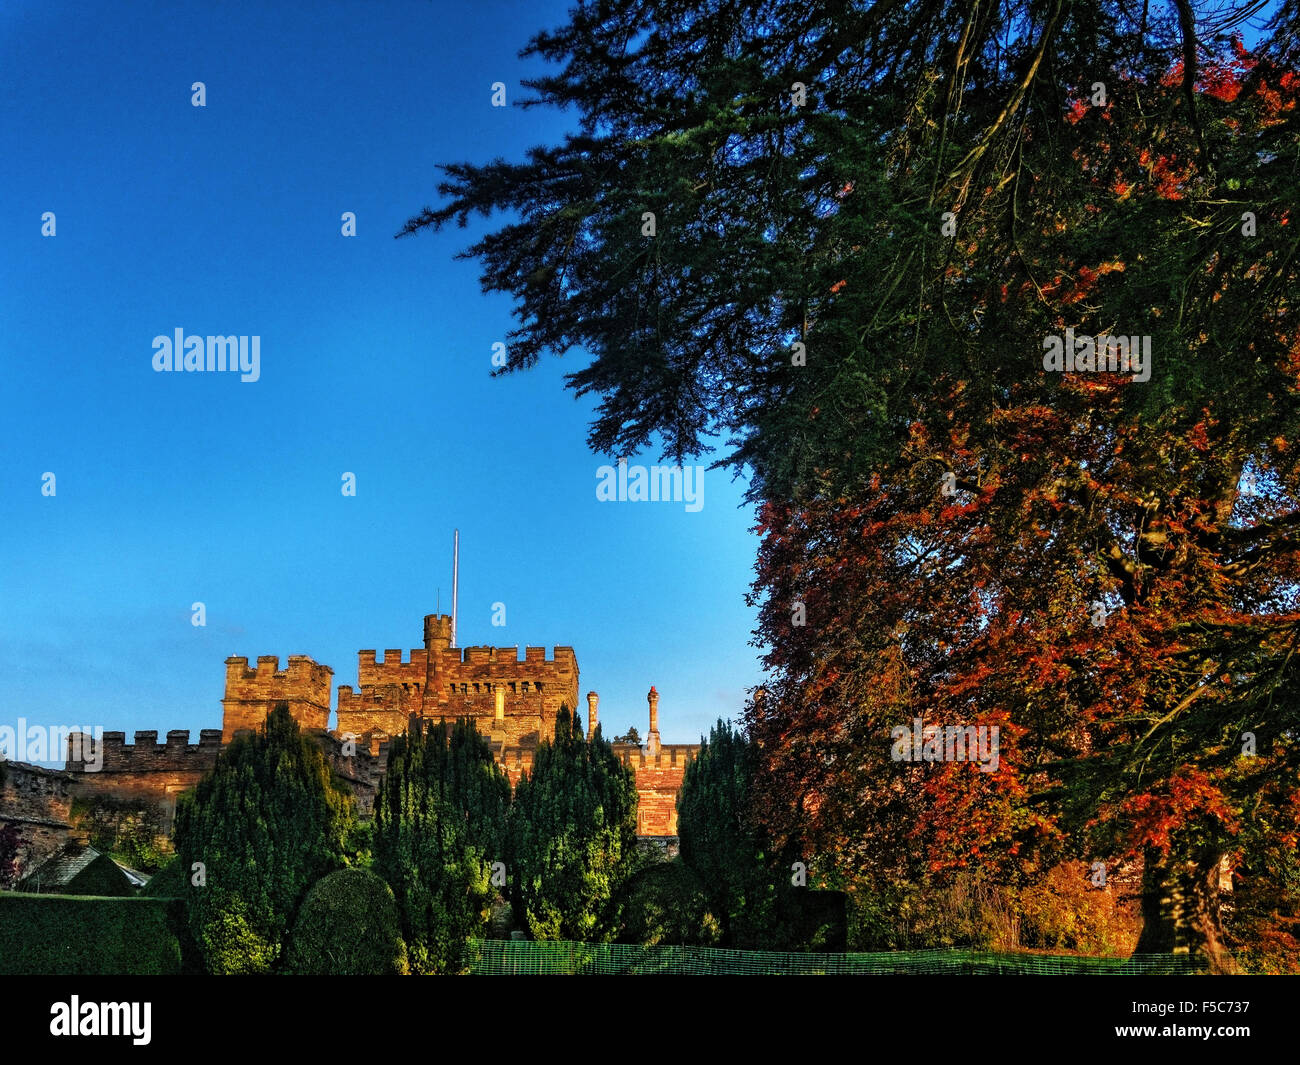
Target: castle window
[(464, 689), (525, 687), (538, 685), (512, 687)]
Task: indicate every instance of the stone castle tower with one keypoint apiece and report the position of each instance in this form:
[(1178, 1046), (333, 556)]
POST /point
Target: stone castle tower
[(513, 701)]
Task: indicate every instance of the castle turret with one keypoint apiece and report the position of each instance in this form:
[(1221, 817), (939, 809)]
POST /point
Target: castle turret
[(437, 641), (652, 740), (251, 694), (437, 631), (593, 701)]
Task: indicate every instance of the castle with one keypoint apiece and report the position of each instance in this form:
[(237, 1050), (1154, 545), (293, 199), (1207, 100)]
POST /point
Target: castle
[(513, 701)]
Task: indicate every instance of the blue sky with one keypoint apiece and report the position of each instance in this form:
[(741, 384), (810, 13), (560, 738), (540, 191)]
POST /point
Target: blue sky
[(175, 488)]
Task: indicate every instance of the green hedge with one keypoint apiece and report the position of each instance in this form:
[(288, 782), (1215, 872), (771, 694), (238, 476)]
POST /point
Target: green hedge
[(168, 883), (668, 903), (348, 926), (76, 935)]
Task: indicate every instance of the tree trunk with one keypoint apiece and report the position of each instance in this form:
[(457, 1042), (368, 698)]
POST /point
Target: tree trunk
[(1180, 910)]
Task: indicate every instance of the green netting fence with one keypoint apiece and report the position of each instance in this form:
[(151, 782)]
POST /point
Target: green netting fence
[(526, 958)]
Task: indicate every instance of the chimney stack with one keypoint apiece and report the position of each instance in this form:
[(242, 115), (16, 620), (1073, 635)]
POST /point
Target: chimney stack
[(593, 701), (652, 740)]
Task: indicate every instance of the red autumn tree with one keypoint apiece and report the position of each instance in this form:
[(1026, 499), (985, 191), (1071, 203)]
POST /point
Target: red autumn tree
[(1106, 571)]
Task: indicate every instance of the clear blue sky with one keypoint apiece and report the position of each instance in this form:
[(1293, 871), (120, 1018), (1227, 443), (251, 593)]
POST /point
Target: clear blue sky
[(375, 356)]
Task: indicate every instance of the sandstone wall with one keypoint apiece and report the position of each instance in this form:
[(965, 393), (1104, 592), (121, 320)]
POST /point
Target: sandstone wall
[(146, 769), (658, 780), (38, 802), (251, 694)]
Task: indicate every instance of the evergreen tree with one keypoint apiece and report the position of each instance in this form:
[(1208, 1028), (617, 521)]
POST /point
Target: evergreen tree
[(868, 180), (572, 836), (722, 843), (265, 824), (439, 825)]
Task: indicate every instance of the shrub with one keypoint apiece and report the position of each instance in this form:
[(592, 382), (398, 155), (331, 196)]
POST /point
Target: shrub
[(234, 940), (71, 935), (1065, 912), (348, 926), (667, 904), (168, 883)]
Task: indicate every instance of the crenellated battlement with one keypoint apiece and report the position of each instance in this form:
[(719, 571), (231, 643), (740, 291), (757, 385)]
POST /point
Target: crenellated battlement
[(481, 654), (251, 694), (299, 668), (112, 754), (391, 669), (669, 755)]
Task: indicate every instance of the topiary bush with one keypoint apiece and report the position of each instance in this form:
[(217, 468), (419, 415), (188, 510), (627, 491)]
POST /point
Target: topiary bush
[(167, 883), (348, 926), (667, 904)]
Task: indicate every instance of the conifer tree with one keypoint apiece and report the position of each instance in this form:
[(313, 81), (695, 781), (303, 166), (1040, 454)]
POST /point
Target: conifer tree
[(722, 843), (263, 827), (572, 836), (439, 825)]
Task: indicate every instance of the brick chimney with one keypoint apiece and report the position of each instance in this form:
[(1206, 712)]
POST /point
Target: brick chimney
[(652, 740), (593, 700)]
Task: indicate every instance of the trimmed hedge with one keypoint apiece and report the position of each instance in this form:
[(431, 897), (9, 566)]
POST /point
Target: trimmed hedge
[(168, 883), (75, 935), (348, 926), (667, 903)]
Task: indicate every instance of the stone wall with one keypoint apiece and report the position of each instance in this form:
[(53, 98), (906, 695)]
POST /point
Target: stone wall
[(146, 769), (658, 780), (513, 701), (38, 802)]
